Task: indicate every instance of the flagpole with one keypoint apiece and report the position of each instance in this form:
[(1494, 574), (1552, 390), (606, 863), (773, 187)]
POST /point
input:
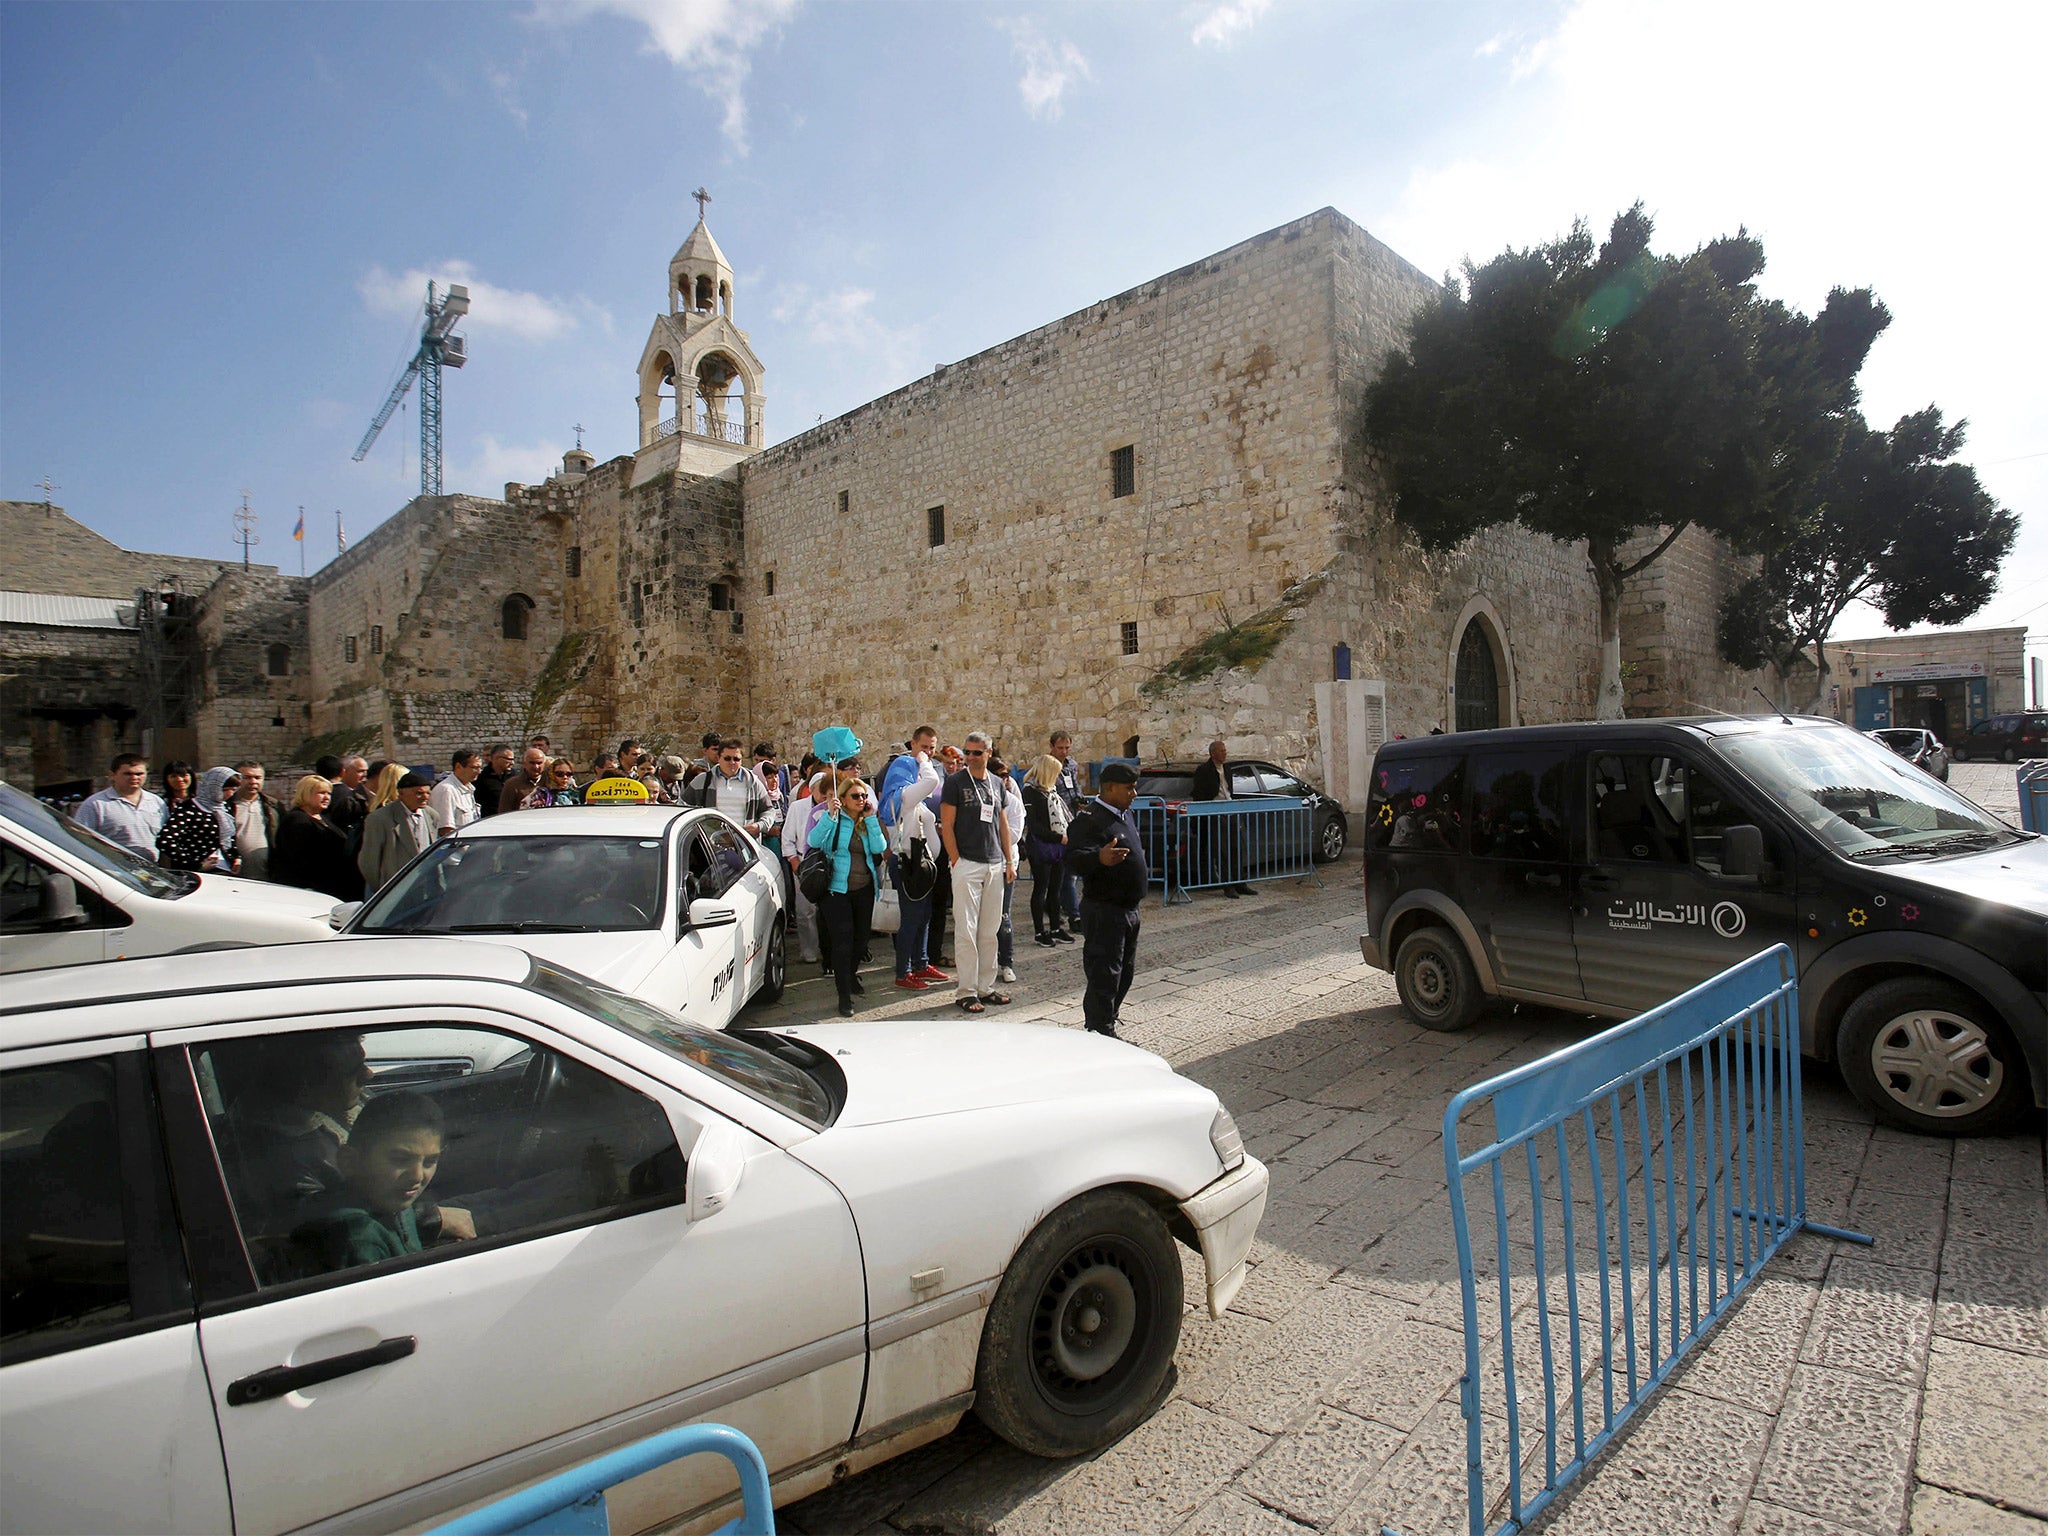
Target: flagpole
[(300, 535)]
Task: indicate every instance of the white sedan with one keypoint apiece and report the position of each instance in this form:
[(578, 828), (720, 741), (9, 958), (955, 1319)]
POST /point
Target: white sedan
[(253, 1282), (680, 907)]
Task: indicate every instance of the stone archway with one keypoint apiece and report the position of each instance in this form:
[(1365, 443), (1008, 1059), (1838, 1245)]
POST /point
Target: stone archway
[(1480, 671)]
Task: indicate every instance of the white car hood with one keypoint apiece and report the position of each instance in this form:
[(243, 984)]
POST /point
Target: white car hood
[(220, 892), (619, 960), (912, 1068)]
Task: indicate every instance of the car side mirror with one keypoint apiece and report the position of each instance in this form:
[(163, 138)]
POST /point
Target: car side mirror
[(1742, 852), (709, 914), (716, 1163), (343, 911), (59, 907)]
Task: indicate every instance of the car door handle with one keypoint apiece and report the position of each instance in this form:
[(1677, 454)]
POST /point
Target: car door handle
[(1537, 877), (280, 1379), (1601, 883)]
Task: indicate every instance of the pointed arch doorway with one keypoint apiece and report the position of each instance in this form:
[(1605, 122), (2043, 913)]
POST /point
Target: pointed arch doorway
[(1482, 675)]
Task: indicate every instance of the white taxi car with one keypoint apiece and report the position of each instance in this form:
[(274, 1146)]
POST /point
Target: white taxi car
[(70, 897), (267, 1268), (680, 907)]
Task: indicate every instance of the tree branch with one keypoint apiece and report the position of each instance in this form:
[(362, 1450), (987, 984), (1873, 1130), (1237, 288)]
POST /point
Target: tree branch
[(1650, 559)]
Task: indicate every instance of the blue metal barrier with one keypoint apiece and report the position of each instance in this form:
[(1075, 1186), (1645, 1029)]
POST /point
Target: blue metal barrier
[(1194, 845), (1665, 1157), (2033, 784), (572, 1503)]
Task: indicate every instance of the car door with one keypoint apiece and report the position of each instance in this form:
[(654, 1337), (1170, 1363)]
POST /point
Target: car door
[(1654, 912), (106, 1422), (49, 916), (707, 966), (359, 1381), (1518, 872), (750, 892)]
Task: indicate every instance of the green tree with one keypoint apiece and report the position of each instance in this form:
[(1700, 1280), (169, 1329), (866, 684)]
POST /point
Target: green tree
[(1597, 395), (1893, 522)]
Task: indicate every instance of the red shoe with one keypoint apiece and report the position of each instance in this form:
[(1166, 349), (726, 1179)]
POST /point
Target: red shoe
[(913, 983), (932, 973)]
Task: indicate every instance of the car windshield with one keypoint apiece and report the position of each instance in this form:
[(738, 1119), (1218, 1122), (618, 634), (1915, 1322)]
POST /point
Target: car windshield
[(1899, 740), (1864, 800), (558, 884), (109, 859), (755, 1072)]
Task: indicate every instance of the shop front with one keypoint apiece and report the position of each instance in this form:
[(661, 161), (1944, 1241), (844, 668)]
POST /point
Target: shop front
[(1944, 697)]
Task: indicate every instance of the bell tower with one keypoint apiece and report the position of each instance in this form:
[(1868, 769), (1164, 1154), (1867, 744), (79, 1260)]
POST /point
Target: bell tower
[(700, 399)]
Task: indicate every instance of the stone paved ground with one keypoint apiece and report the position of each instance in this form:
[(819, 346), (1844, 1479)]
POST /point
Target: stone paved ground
[(1898, 1388)]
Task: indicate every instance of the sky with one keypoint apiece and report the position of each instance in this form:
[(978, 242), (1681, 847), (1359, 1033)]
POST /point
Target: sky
[(217, 222)]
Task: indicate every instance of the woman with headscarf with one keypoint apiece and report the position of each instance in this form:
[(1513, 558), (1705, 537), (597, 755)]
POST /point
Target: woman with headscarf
[(216, 791), (190, 839), (312, 851)]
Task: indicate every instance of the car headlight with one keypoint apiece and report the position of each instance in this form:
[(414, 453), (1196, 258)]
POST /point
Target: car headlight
[(1224, 1138)]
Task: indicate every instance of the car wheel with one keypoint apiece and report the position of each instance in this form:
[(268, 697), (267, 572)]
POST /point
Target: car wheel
[(1330, 843), (1926, 1056), (1079, 1343), (2008, 754), (773, 979), (1436, 981)]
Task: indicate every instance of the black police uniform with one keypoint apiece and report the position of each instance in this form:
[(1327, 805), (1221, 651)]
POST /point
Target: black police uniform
[(1110, 895)]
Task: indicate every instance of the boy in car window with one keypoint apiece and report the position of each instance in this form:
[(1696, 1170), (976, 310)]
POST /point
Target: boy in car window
[(390, 1157)]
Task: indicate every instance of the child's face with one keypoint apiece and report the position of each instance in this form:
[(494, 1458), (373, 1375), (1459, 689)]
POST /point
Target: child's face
[(393, 1171)]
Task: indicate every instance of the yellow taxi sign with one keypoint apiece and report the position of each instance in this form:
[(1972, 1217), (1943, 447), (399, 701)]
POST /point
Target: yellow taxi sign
[(616, 792)]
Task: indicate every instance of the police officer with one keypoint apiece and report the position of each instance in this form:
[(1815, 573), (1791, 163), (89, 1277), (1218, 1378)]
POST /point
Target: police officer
[(1104, 851)]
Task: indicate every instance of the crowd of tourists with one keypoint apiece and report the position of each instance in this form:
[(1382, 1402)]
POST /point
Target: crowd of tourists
[(943, 833)]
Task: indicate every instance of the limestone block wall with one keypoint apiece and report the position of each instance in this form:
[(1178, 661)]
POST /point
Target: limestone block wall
[(1222, 379), (246, 710), (50, 551), (67, 702), (1670, 661)]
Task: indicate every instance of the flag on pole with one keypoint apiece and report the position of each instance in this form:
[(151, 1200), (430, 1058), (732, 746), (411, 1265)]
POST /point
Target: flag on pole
[(340, 538), (299, 530)]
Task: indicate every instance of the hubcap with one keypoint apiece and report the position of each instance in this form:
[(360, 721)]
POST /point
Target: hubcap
[(1087, 1318), (1937, 1063), (1431, 983), (1333, 842)]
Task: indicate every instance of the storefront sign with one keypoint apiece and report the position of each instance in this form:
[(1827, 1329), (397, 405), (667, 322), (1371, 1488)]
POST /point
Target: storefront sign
[(1927, 671)]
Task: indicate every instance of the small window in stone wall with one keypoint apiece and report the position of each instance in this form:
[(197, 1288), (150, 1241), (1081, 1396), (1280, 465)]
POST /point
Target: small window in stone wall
[(1129, 635), (739, 622), (721, 597), (844, 501), (348, 648), (513, 616), (376, 639), (768, 584), (280, 661), (575, 562), (1123, 471), (935, 526)]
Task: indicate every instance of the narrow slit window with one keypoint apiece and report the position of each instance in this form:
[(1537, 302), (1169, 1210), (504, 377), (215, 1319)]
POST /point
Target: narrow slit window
[(1129, 634), (768, 584), (575, 561), (845, 500), (1123, 471), (376, 639), (935, 526), (348, 648)]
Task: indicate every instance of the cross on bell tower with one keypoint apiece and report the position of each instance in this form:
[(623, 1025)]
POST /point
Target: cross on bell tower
[(703, 199), (699, 377)]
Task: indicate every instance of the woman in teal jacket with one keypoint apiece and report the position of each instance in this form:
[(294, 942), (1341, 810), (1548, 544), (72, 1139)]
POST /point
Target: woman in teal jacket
[(849, 906)]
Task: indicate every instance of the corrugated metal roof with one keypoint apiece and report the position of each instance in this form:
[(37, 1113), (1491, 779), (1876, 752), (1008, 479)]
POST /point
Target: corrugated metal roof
[(55, 611)]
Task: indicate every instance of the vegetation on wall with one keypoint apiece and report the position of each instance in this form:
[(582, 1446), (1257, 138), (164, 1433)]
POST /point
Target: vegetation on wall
[(1245, 645), (339, 743), (565, 668)]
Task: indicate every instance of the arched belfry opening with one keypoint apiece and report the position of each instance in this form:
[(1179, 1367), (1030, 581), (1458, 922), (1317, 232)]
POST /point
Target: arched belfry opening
[(721, 399), (1481, 671)]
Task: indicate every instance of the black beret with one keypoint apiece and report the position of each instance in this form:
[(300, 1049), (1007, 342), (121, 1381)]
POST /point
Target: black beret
[(1118, 773)]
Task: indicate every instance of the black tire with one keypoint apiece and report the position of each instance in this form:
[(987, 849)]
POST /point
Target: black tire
[(1924, 1055), (1099, 1273), (2010, 754), (1330, 840), (1436, 981), (777, 974)]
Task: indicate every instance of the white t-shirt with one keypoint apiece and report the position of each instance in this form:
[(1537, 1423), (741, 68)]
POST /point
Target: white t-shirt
[(454, 803)]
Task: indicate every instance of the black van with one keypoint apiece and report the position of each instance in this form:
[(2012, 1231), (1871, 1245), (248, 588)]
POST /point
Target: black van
[(1606, 867)]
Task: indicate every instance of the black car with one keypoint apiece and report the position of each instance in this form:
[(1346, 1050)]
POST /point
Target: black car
[(2004, 738), (1252, 779), (1605, 868)]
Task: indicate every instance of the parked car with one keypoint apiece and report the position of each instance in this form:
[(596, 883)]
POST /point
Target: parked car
[(1253, 779), (2004, 738), (680, 907), (835, 1237), (70, 897), (1607, 867), (1923, 749)]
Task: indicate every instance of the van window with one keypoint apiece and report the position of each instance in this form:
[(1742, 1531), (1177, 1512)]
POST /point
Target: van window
[(1650, 807), (1417, 802), (1518, 805)]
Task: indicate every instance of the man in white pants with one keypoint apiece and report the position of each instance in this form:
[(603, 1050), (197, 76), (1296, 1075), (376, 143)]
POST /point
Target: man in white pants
[(978, 846)]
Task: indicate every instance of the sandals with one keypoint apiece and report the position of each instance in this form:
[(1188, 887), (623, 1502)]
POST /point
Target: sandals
[(969, 1005), (997, 998)]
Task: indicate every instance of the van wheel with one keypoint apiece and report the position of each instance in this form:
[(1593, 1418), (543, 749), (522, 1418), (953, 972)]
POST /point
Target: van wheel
[(1436, 981), (1926, 1056)]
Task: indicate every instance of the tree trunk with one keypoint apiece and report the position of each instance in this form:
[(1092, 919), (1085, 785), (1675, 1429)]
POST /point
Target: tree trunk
[(1608, 701), (1820, 674)]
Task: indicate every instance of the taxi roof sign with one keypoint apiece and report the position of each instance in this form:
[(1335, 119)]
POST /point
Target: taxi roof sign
[(620, 791)]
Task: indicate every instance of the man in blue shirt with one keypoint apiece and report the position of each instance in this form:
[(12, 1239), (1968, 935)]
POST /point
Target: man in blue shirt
[(125, 812), (1105, 851)]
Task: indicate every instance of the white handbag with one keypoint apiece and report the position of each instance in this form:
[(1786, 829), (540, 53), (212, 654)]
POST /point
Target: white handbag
[(888, 912)]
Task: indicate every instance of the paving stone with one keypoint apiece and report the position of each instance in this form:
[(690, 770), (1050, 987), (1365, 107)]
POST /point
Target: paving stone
[(1402, 1379), (982, 1491), (861, 1501), (1993, 1451), (1318, 1468), (1151, 1480), (1987, 1375), (1341, 1182), (1232, 1514), (1762, 1519), (1339, 1138), (1748, 1359), (1421, 1489), (1279, 1283), (1998, 1217), (1269, 1380), (1995, 1296), (1842, 1449), (1907, 1165), (1208, 1345), (1937, 1512), (1908, 1229), (1684, 1469), (2012, 1162), (1874, 1318)]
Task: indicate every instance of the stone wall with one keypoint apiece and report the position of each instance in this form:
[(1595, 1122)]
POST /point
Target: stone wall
[(1670, 660), (49, 551), (246, 710), (67, 703)]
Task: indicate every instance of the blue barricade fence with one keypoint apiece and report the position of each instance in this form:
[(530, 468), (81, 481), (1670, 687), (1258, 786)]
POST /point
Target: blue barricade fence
[(572, 1503), (2033, 782), (1194, 845), (1636, 1183)]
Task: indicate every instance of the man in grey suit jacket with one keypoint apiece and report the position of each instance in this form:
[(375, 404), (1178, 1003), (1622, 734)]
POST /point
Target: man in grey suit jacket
[(393, 833)]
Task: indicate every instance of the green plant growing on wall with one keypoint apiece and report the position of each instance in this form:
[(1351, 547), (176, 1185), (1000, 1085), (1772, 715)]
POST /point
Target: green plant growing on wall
[(339, 743), (1244, 645), (564, 669)]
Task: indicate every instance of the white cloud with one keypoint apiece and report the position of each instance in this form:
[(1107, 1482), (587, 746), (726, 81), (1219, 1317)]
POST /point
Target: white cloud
[(1050, 67), (504, 86), (860, 344), (708, 40), (1221, 24), (491, 463), (1491, 46), (510, 311)]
